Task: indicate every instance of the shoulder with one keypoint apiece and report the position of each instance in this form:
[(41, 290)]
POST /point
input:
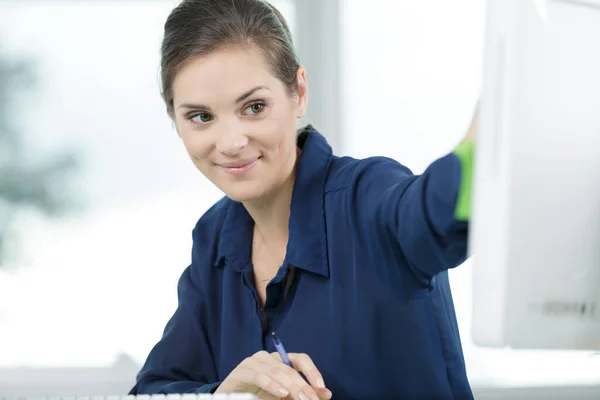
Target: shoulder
[(211, 222), (350, 173), (207, 231), (205, 246)]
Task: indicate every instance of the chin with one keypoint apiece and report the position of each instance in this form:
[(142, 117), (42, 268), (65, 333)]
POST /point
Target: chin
[(243, 193)]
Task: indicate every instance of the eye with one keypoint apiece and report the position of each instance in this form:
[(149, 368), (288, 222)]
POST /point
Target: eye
[(201, 118), (255, 108)]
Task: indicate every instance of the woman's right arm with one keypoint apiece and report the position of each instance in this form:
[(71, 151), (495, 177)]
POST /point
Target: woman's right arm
[(181, 362)]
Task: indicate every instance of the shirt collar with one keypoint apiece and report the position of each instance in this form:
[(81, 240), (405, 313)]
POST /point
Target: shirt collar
[(307, 245)]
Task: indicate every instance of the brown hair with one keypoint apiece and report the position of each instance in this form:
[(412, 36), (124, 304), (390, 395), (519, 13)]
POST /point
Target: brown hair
[(198, 27)]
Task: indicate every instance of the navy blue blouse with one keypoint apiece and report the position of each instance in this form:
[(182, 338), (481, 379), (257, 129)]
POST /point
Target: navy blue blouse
[(363, 289)]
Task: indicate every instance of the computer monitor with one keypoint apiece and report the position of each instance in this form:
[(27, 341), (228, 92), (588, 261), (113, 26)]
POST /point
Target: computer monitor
[(535, 231)]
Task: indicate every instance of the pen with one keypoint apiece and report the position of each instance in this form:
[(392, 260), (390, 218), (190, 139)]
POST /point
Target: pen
[(281, 350)]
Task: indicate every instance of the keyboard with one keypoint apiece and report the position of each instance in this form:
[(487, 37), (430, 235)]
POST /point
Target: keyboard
[(236, 396)]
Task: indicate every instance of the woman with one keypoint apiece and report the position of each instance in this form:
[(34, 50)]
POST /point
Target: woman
[(345, 259)]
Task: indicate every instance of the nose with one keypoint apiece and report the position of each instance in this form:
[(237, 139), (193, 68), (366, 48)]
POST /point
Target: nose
[(231, 139)]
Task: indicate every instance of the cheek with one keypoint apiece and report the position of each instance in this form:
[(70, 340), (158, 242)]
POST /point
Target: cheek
[(275, 139), (279, 132), (197, 145)]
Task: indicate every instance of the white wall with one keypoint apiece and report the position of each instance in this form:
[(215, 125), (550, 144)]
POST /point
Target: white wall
[(412, 73)]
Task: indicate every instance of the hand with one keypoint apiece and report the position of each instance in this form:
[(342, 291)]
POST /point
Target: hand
[(472, 132), (267, 377)]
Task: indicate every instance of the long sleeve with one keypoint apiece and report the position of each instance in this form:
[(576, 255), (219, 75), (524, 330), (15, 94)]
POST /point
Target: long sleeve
[(426, 216), (181, 362)]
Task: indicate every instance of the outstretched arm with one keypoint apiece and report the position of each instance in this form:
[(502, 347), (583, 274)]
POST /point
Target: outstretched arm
[(426, 216)]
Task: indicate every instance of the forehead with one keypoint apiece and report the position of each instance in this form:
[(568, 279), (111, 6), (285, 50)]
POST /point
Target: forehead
[(222, 74)]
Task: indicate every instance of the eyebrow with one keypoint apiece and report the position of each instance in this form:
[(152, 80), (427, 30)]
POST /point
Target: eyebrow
[(243, 97)]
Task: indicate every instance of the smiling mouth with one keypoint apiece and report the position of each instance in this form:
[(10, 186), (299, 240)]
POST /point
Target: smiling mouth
[(240, 168)]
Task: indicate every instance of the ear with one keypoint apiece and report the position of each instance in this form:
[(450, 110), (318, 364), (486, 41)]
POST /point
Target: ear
[(302, 84)]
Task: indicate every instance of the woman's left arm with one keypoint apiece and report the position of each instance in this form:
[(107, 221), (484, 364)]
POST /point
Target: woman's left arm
[(424, 217)]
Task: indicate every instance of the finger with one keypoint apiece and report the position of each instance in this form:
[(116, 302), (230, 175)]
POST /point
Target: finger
[(303, 363), (252, 371), (324, 394), (289, 378)]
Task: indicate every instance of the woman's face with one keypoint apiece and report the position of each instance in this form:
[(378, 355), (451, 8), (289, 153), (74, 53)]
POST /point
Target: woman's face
[(238, 121)]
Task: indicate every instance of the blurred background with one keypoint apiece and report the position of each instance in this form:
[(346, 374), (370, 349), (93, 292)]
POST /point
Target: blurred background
[(98, 197)]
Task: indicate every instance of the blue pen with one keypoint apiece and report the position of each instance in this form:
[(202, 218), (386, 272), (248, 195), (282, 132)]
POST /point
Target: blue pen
[(281, 350)]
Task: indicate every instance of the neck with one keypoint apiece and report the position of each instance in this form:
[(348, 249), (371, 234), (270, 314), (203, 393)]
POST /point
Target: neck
[(271, 215)]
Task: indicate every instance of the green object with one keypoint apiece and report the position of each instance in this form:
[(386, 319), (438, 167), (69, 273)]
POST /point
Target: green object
[(464, 152)]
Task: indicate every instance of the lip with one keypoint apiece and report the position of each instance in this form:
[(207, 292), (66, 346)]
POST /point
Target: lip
[(240, 167)]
